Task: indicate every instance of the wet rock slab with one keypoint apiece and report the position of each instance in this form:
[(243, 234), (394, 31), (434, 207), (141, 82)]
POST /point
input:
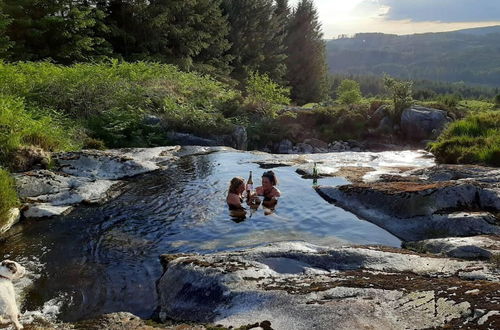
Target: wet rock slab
[(88, 176), (418, 206), (297, 285), (475, 247)]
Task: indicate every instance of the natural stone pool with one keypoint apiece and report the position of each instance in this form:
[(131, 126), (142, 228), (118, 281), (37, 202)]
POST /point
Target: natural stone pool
[(102, 259)]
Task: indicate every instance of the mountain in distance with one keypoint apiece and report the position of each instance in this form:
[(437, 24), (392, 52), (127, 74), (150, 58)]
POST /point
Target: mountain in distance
[(471, 55)]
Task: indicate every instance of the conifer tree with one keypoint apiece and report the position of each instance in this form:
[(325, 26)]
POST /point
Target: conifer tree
[(63, 30), (5, 43), (189, 33), (255, 38), (306, 63)]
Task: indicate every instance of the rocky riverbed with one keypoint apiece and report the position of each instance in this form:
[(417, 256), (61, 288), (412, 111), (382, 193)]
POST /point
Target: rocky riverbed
[(447, 274)]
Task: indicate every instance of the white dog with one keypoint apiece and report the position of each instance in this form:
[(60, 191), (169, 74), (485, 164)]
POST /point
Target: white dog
[(9, 270)]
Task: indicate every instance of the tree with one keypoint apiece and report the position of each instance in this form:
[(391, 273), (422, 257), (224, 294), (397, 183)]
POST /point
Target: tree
[(497, 100), (256, 38), (401, 95), (185, 32), (349, 92), (63, 30), (306, 63), (5, 43)]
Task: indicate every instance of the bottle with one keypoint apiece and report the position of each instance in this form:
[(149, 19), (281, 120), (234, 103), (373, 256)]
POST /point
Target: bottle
[(249, 186), (315, 175)]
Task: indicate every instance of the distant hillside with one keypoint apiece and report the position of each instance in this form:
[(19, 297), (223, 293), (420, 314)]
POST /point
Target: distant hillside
[(471, 56)]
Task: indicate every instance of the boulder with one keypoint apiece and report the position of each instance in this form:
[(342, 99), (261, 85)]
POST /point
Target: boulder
[(304, 148), (239, 138), (295, 285), (316, 143), (151, 120), (381, 112), (284, 147), (421, 123)]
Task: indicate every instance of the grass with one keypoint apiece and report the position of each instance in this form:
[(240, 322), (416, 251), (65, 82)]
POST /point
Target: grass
[(27, 126), (473, 140), (8, 196), (112, 99)]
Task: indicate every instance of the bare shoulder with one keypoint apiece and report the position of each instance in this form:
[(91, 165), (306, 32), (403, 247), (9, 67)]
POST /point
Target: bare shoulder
[(276, 192)]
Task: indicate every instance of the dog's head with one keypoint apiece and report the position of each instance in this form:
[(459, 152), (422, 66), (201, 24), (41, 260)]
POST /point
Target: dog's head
[(11, 270)]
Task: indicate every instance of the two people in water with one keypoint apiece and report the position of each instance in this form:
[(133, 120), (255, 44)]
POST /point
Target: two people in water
[(267, 191)]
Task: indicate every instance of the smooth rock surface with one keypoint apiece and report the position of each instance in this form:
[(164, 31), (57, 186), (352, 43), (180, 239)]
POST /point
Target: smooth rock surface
[(297, 285), (114, 164), (476, 247)]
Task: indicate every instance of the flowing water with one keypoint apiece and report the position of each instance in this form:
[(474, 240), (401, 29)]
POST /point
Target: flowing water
[(102, 259)]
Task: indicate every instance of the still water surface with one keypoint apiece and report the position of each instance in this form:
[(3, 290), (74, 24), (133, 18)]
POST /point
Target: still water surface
[(102, 259)]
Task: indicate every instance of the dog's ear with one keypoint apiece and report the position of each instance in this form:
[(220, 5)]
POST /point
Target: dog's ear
[(10, 265)]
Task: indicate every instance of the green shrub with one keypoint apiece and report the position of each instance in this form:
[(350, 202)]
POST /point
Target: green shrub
[(264, 95), (349, 92), (8, 196), (341, 123), (475, 139), (449, 100), (21, 126)]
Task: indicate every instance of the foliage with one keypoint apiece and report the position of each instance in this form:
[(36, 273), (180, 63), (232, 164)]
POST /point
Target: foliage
[(8, 196), (65, 31), (20, 126), (341, 123), (475, 139), (5, 42), (449, 100), (497, 100), (400, 92), (264, 95), (349, 92), (307, 70), (102, 95)]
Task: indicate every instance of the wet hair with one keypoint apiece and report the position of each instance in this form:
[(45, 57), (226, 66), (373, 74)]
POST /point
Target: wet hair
[(235, 184), (271, 176)]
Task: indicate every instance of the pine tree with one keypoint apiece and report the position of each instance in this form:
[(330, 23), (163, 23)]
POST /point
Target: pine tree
[(189, 33), (256, 44), (306, 63), (5, 43), (63, 30)]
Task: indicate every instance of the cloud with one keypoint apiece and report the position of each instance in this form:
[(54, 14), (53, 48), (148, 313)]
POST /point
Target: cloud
[(433, 10)]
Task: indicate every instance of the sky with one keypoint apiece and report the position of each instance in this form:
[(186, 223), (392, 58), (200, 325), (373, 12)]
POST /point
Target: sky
[(404, 16)]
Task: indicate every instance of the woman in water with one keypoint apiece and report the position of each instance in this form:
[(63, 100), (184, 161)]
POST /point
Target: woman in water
[(268, 189), (235, 196)]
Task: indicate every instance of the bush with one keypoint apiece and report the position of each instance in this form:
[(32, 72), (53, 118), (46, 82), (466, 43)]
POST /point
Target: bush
[(8, 196), (340, 123), (451, 101), (475, 139), (264, 95), (349, 92), (21, 126)]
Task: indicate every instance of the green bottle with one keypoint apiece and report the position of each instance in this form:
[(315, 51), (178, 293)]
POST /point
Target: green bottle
[(315, 175)]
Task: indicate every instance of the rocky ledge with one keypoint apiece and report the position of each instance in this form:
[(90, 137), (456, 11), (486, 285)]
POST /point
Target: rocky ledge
[(91, 176), (436, 202), (295, 285)]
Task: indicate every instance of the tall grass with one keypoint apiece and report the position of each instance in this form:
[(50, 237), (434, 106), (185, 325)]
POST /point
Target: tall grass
[(8, 196), (24, 126), (111, 99), (475, 139)]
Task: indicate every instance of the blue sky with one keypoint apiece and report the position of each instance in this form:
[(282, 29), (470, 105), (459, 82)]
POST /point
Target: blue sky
[(404, 16)]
